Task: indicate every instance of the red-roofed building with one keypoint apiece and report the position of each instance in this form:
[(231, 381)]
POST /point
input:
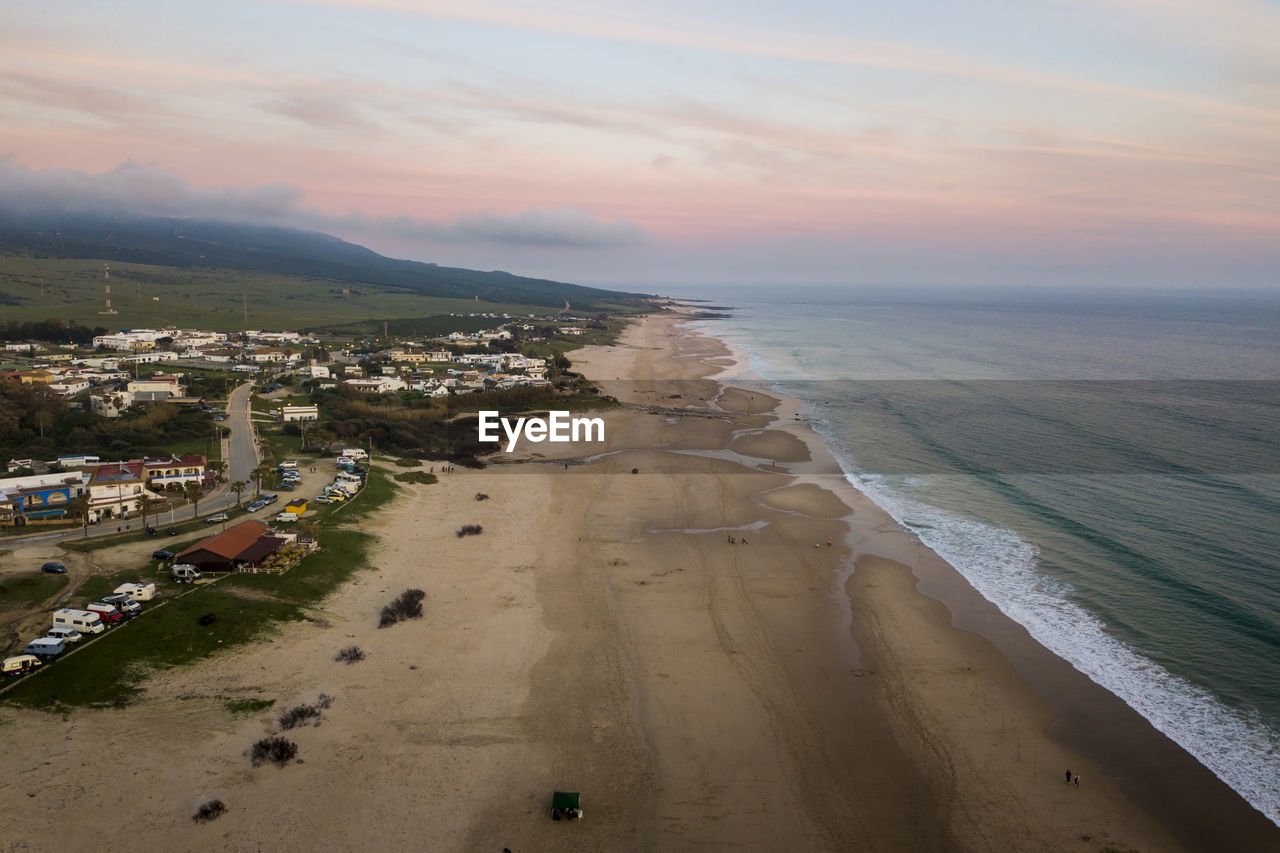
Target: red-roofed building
[(243, 546)]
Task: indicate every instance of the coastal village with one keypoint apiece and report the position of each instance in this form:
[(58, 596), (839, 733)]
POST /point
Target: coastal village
[(129, 373)]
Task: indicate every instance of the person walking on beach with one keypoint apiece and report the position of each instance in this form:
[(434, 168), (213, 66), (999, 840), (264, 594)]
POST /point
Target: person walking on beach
[(1076, 781), (1068, 777)]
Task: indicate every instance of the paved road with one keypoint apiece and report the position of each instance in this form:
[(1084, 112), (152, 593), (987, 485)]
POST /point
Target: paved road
[(240, 450)]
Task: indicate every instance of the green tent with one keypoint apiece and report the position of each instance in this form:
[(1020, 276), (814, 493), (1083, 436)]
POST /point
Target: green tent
[(565, 800)]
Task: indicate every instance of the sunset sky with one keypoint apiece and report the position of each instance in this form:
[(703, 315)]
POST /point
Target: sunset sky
[(1082, 142)]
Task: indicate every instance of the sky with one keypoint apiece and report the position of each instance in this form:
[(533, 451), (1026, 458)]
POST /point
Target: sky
[(1019, 143)]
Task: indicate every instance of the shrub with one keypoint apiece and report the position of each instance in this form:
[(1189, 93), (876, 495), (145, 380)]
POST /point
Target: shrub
[(207, 619), (416, 477), (470, 530), (211, 810), (351, 654), (409, 463), (301, 715), (279, 751), (481, 496), (407, 605)]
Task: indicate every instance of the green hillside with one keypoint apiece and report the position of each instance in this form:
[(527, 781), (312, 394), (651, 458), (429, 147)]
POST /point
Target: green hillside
[(185, 272)]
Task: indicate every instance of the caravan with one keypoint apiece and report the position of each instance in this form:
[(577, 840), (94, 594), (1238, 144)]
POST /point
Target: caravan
[(45, 648), (80, 620)]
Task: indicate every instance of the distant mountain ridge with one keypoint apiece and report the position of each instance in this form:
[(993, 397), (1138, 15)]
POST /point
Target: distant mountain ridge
[(263, 248)]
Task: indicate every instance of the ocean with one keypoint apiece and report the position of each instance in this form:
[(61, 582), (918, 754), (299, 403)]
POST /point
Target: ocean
[(1103, 468)]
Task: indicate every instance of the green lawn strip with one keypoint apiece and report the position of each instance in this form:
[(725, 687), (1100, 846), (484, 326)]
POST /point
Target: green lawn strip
[(28, 589), (246, 608)]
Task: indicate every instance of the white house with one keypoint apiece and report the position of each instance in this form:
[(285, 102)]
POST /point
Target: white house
[(288, 414), (377, 385)]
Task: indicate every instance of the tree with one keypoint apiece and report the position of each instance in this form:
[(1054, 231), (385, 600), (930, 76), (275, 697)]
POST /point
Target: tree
[(258, 473), (238, 487), (149, 503), (220, 466), (79, 506), (193, 493)]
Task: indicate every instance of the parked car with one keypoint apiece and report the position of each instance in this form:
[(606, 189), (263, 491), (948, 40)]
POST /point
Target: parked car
[(53, 567), (173, 531), (256, 505), (269, 499), (219, 417), (286, 486), (162, 555), (217, 517), (322, 499)]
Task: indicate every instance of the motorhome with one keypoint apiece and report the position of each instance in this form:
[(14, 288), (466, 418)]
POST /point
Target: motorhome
[(287, 517), (84, 621), (45, 648), (108, 613), (356, 453), (20, 664), (124, 603), (137, 591)]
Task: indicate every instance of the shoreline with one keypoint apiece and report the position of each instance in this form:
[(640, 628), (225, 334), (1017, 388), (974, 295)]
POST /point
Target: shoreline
[(604, 635), (1158, 775)]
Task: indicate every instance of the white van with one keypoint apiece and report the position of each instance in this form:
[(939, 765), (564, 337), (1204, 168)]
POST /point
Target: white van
[(66, 635), (81, 620), (288, 465), (137, 591), (185, 573), (45, 647), (20, 664), (124, 603), (287, 516), (355, 453)]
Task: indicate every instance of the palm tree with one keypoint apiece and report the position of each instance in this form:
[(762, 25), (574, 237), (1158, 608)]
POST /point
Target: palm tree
[(220, 466), (80, 506), (146, 503), (258, 473), (238, 487), (193, 492)]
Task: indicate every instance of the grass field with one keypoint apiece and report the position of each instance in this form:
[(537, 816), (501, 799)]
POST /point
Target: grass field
[(155, 296), (244, 608)]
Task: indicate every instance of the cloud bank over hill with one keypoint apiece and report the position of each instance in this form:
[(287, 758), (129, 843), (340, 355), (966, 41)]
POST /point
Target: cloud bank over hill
[(136, 189)]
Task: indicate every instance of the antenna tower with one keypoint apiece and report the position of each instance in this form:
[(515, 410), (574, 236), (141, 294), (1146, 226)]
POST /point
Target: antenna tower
[(106, 274)]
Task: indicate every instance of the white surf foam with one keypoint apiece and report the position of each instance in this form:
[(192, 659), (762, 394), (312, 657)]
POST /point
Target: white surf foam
[(1236, 745)]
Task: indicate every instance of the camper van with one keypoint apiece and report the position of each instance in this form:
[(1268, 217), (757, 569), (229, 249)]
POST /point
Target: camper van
[(79, 620), (20, 664), (108, 613), (356, 453), (66, 635), (185, 573), (287, 516), (124, 603), (137, 591), (45, 648)]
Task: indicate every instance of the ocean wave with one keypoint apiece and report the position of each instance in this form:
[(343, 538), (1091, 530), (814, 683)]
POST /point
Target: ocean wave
[(1235, 744)]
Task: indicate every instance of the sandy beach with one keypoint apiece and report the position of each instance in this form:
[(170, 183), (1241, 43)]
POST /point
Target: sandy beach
[(657, 622)]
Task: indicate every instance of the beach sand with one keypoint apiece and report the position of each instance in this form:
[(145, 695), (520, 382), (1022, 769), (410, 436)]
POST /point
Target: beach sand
[(603, 635)]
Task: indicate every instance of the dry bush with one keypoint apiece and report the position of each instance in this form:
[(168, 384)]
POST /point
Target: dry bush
[(277, 750), (211, 810), (351, 654), (301, 715), (409, 463), (407, 605), (470, 530)]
